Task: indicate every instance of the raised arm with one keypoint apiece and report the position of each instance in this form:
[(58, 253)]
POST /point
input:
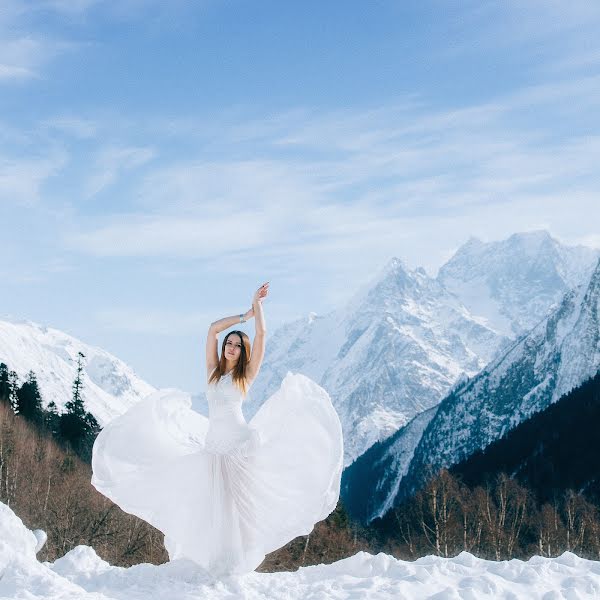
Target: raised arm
[(258, 345), (212, 339)]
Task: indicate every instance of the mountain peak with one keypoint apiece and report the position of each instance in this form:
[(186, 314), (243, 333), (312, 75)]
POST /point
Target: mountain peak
[(512, 282), (22, 321), (532, 240), (473, 241), (472, 244), (394, 265), (393, 273)]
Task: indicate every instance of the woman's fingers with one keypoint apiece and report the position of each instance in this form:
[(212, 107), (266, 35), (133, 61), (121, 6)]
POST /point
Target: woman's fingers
[(262, 291)]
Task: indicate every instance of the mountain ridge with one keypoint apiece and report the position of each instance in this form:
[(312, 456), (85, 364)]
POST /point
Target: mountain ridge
[(110, 385)]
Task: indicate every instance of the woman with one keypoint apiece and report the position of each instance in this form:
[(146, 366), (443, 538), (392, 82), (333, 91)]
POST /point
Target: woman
[(237, 349), (226, 492)]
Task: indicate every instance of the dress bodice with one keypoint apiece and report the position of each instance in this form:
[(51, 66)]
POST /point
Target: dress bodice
[(225, 400), (226, 424)]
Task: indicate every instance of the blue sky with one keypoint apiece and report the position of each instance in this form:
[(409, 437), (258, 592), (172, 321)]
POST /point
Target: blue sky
[(160, 160)]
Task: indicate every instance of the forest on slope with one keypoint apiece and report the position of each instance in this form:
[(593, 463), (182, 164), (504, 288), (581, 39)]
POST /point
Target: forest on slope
[(534, 491)]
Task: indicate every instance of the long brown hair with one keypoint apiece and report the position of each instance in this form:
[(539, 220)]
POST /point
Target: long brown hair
[(238, 375)]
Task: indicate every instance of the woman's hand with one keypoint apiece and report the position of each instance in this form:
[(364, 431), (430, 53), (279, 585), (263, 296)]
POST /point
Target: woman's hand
[(260, 294)]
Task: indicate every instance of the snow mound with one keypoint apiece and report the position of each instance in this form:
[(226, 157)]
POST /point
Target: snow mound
[(21, 574), (15, 538), (81, 574)]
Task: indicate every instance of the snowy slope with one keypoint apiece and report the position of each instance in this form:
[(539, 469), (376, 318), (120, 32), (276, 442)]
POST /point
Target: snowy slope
[(111, 386), (370, 484), (392, 352), (82, 575), (512, 283), (557, 355)]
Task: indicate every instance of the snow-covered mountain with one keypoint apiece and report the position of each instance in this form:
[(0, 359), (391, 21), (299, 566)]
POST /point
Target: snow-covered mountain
[(111, 386), (512, 283), (391, 353), (558, 354), (370, 484), (405, 339)]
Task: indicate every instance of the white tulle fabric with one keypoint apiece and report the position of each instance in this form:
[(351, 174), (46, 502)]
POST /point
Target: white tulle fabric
[(225, 492)]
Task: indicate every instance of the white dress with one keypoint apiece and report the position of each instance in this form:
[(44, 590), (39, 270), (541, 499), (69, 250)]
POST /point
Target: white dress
[(225, 492)]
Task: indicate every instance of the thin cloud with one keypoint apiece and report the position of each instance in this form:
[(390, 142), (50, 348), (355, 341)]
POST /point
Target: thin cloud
[(21, 57), (112, 162), (326, 181), (25, 57), (552, 27), (582, 59), (15, 72), (22, 180), (161, 322), (73, 126), (69, 7), (173, 236)]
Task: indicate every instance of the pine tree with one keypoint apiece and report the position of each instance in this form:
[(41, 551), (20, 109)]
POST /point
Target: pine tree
[(77, 426), (52, 419), (72, 421), (4, 386), (13, 386), (29, 399), (75, 406)]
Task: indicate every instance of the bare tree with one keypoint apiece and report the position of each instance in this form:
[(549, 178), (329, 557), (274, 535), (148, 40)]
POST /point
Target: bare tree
[(439, 506)]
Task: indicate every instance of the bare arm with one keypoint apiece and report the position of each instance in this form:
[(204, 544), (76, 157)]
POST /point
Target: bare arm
[(258, 345), (212, 340)]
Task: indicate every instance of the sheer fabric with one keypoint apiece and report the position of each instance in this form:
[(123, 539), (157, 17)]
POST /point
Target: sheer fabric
[(225, 492)]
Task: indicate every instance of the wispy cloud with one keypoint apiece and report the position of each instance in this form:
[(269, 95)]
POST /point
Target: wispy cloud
[(26, 49), (551, 28), (69, 7), (379, 176), (21, 57), (15, 72), (73, 126), (111, 162), (22, 179), (173, 236), (42, 272), (24, 57), (161, 322)]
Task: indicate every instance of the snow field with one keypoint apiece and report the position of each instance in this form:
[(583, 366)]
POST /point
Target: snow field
[(82, 575)]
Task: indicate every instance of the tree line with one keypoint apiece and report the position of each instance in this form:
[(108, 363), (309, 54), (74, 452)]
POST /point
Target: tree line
[(74, 427), (549, 504), (499, 521), (47, 485)]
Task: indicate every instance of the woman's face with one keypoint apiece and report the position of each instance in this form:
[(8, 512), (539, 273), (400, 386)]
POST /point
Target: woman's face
[(233, 347)]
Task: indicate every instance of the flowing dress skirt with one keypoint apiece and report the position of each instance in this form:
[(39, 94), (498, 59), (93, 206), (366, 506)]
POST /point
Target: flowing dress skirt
[(225, 507)]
